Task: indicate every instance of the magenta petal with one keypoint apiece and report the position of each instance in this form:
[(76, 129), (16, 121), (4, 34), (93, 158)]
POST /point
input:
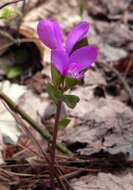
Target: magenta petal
[(50, 33), (76, 34), (60, 60), (74, 71), (84, 57)]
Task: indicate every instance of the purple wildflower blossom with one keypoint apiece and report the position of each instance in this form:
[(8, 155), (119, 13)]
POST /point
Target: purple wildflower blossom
[(68, 62)]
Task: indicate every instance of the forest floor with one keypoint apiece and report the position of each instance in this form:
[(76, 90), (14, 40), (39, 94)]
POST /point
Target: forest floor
[(100, 133)]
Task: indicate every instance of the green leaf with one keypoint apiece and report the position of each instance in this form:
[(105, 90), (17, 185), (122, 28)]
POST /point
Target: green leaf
[(69, 82), (54, 93), (71, 100), (56, 77), (80, 44), (13, 72), (63, 123), (6, 13)]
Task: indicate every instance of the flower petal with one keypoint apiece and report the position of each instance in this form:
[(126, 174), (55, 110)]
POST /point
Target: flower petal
[(60, 60), (50, 33), (76, 34), (84, 57), (74, 71)]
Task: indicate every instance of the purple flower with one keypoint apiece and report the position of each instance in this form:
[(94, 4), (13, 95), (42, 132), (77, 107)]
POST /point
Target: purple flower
[(68, 62)]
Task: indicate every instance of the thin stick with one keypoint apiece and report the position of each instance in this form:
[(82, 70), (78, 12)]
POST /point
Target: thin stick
[(19, 120), (68, 186), (42, 131), (10, 3), (44, 134), (27, 130), (20, 20)]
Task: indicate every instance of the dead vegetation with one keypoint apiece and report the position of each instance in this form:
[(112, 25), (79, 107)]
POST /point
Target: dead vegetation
[(101, 128)]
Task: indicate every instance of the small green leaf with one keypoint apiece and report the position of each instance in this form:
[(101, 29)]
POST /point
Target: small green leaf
[(71, 100), (80, 44), (64, 122), (54, 93), (6, 13), (56, 77), (69, 82), (13, 72)]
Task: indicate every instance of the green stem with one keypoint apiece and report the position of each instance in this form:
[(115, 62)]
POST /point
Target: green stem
[(42, 131)]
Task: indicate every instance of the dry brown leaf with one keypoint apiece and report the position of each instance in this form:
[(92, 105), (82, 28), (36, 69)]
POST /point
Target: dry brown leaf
[(104, 181)]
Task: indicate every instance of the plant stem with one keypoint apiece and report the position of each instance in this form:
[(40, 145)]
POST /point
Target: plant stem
[(9, 3), (53, 146), (42, 131), (57, 117), (20, 19)]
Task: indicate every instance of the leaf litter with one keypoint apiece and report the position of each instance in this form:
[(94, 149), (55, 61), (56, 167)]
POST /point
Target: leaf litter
[(100, 133)]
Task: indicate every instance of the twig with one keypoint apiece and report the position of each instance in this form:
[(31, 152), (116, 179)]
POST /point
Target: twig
[(17, 41), (27, 130), (68, 186), (10, 174), (7, 35), (42, 131), (10, 3), (20, 20)]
